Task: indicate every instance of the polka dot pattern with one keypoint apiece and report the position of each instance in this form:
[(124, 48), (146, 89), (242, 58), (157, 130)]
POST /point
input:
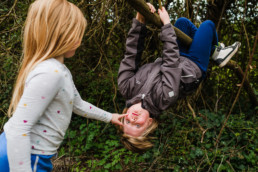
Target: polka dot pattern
[(57, 104)]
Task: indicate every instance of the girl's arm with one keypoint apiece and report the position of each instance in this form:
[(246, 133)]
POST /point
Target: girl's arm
[(88, 110), (85, 109), (38, 93)]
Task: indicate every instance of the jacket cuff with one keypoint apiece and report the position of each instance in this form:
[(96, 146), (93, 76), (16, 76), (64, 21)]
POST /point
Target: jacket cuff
[(137, 23), (108, 118), (166, 26)]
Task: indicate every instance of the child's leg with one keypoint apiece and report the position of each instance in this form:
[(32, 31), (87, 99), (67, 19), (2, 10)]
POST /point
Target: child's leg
[(4, 164), (204, 42), (186, 26)]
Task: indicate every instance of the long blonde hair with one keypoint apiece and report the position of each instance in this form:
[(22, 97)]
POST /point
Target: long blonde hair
[(52, 28)]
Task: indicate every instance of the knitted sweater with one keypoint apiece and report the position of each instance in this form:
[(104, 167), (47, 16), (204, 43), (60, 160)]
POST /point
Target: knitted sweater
[(43, 114)]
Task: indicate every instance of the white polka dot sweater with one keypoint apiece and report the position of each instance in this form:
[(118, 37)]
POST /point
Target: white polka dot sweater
[(43, 114)]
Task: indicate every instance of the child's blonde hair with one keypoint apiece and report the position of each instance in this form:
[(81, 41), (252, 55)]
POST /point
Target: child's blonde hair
[(141, 143), (52, 28)]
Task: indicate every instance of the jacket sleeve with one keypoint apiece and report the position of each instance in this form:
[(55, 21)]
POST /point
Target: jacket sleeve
[(170, 73), (130, 64)]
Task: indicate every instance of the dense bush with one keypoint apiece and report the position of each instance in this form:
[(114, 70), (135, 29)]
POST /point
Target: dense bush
[(183, 143)]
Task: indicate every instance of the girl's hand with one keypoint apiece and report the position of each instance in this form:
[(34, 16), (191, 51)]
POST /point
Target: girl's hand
[(116, 119), (164, 16), (140, 17)]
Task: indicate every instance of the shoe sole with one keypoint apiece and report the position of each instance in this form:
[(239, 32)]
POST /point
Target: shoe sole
[(230, 56)]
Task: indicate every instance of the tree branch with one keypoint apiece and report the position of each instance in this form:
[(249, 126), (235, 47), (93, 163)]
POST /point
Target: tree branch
[(142, 7)]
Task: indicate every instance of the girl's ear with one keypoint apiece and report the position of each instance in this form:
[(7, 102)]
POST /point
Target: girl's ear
[(150, 121)]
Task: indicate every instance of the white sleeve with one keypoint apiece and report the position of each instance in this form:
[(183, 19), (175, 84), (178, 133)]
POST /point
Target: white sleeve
[(38, 93), (88, 110)]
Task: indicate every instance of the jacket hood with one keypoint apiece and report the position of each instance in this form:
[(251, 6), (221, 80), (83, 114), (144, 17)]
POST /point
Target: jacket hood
[(147, 104)]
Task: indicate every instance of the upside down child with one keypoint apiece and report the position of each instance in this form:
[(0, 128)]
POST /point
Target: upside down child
[(154, 87)]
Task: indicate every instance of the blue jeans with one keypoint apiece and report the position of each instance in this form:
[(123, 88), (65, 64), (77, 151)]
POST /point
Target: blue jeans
[(41, 163), (204, 40)]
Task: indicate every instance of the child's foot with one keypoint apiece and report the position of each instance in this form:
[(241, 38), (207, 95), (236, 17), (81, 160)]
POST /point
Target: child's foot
[(223, 54)]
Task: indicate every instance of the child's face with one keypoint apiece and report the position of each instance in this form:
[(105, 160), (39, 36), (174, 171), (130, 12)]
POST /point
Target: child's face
[(137, 120)]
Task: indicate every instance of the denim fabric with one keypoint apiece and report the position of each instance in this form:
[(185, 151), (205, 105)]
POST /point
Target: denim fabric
[(205, 39)]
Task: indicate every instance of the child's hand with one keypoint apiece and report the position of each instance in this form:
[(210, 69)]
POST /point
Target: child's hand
[(116, 119), (140, 17), (164, 16)]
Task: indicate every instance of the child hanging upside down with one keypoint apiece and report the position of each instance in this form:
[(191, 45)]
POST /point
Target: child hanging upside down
[(154, 87)]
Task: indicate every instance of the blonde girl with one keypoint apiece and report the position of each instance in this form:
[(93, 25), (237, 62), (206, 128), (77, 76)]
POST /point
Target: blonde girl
[(45, 96)]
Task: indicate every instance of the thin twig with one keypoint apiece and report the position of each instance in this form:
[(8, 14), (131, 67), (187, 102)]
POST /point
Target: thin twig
[(220, 163), (110, 70), (4, 17), (230, 166), (194, 116), (223, 10)]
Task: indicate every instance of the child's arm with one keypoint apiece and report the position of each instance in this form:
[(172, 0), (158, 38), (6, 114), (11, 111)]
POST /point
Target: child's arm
[(170, 52), (134, 48), (39, 91), (130, 64), (171, 74), (85, 109)]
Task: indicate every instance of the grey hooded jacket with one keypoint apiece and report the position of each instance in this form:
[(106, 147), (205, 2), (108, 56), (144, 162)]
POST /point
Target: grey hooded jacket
[(157, 85)]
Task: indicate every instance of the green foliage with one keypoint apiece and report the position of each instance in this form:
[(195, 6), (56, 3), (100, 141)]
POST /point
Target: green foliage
[(180, 144), (104, 149)]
